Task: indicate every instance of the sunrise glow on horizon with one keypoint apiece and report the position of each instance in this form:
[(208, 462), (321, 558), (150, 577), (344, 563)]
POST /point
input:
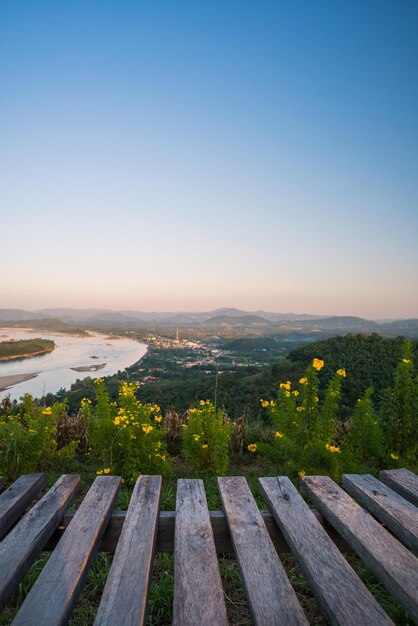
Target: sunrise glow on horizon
[(186, 156)]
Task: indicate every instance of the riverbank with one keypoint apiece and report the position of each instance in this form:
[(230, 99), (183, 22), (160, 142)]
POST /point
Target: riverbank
[(8, 381), (19, 349), (26, 355)]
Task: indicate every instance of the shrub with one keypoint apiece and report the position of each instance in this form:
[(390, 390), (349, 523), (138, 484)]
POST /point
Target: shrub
[(127, 437), (399, 410), (364, 438), (206, 436), (305, 435), (28, 438)]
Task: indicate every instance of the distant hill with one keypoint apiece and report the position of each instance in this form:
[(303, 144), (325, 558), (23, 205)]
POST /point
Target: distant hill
[(282, 323), (339, 323), (241, 320), (19, 315), (49, 324)]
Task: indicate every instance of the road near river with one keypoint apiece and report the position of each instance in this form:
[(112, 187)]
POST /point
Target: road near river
[(74, 357)]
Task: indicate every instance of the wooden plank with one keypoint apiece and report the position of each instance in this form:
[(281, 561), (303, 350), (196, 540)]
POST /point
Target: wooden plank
[(17, 497), (403, 481), (340, 593), (198, 594), (271, 597), (21, 546), (398, 514), (124, 598), (389, 560), (57, 588), (165, 534)]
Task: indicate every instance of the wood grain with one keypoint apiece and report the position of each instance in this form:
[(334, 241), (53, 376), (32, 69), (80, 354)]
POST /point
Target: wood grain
[(403, 481), (270, 595), (198, 594), (389, 560), (165, 534), (57, 588), (398, 514), (21, 546), (340, 593), (125, 595), (17, 497)]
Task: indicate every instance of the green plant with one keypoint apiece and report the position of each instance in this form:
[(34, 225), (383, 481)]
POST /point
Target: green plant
[(306, 432), (399, 410), (364, 438), (206, 436), (127, 437), (28, 439)]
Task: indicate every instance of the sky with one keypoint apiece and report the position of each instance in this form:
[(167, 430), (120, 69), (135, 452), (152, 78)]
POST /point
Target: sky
[(188, 155)]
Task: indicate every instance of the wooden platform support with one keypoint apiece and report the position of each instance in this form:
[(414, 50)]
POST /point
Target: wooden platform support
[(344, 519)]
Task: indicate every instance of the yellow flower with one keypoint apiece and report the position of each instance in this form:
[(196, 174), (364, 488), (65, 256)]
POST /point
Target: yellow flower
[(277, 434), (99, 472), (106, 470), (31, 430), (158, 418), (202, 403), (394, 456), (97, 381), (301, 474), (252, 447), (204, 445), (287, 394), (295, 393), (196, 437), (299, 409), (334, 449), (285, 386), (184, 425), (47, 411), (318, 364), (147, 428), (406, 360), (342, 372), (303, 381), (265, 403)]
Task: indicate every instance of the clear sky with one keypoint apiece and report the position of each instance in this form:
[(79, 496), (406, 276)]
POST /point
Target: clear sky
[(174, 155)]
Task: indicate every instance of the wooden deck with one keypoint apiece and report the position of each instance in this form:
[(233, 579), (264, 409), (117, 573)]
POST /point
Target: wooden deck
[(377, 519)]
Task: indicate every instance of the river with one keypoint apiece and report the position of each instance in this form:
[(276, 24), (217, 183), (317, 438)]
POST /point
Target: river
[(53, 369)]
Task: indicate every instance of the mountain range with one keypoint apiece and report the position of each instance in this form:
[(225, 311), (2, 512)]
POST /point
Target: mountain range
[(218, 318)]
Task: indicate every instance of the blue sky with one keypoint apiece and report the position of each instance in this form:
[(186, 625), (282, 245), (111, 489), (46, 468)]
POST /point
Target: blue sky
[(189, 155)]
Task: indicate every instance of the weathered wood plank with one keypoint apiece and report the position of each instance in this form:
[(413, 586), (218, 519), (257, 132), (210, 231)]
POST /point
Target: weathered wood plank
[(17, 497), (198, 594), (403, 481), (57, 588), (271, 597), (389, 560), (165, 534), (21, 546), (124, 598), (398, 514), (342, 596)]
